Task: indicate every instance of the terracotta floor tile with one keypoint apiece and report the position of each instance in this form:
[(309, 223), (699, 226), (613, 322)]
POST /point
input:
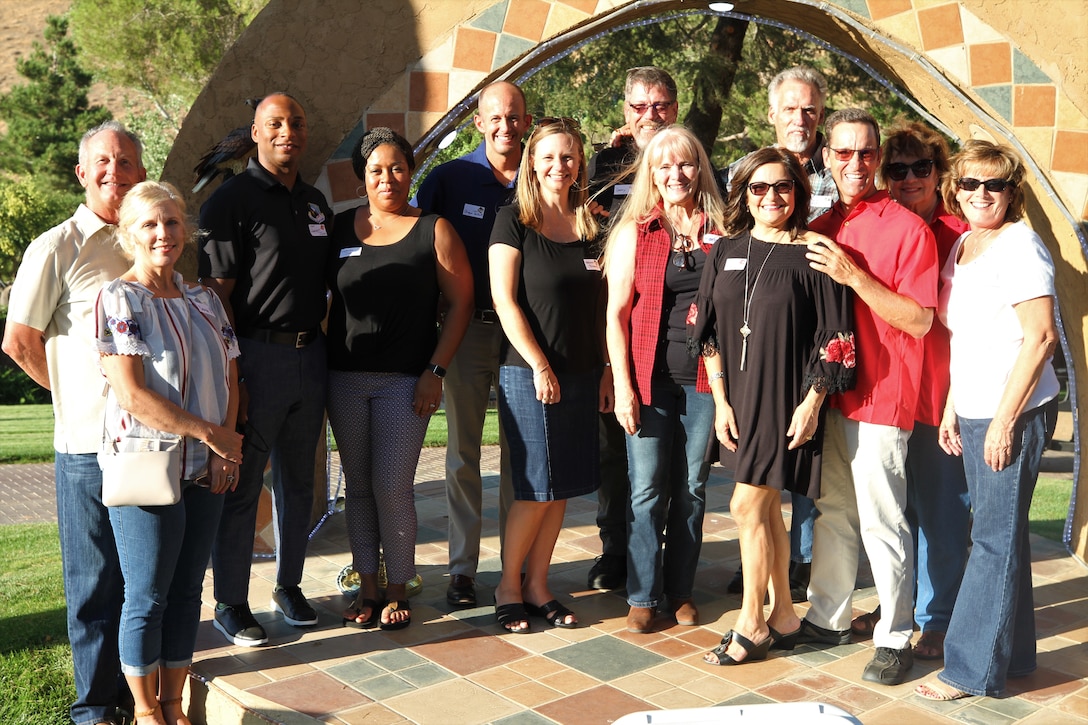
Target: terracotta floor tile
[(680, 672), (756, 674), (314, 694), (456, 701), (673, 648), (568, 681), (900, 713), (471, 653), (531, 694), (372, 714), (1050, 717), (600, 705), (498, 679), (243, 680), (536, 667), (640, 684), (863, 699), (786, 692), (713, 689), (1044, 687)]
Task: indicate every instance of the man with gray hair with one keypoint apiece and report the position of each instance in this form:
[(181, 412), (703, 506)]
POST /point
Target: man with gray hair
[(796, 96), (50, 333)]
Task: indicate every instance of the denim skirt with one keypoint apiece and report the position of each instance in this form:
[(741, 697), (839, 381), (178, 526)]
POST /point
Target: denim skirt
[(554, 450)]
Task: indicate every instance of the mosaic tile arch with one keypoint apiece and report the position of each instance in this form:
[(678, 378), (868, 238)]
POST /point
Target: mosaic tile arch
[(981, 67)]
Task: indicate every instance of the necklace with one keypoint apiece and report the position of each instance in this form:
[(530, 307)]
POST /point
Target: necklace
[(745, 330), (374, 219)]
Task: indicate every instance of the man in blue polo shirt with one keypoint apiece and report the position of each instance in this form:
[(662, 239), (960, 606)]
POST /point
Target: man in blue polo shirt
[(468, 191)]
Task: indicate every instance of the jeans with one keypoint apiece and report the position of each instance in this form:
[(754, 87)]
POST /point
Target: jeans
[(992, 632), (667, 496), (802, 520), (939, 514), (93, 587), (471, 375), (286, 388), (615, 490), (164, 553)]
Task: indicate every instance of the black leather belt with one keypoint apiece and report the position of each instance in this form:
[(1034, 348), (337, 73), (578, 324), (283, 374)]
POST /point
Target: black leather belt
[(488, 316), (294, 339)]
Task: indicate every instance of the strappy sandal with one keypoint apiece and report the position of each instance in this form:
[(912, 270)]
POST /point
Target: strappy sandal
[(755, 652), (358, 606), (939, 691), (394, 606), (930, 646), (784, 641), (865, 624), (554, 613), (512, 613)]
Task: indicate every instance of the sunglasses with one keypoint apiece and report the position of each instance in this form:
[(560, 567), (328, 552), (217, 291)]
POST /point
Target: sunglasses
[(659, 107), (866, 155), (994, 186), (682, 255), (760, 188), (566, 121), (921, 170)]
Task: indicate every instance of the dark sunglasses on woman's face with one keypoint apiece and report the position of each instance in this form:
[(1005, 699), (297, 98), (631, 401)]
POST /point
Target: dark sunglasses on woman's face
[(921, 169), (994, 186), (760, 188)]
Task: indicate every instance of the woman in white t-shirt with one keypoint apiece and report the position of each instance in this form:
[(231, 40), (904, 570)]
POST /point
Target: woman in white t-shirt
[(997, 300)]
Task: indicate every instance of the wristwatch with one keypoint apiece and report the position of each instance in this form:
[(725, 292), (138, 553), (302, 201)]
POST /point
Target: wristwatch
[(438, 370)]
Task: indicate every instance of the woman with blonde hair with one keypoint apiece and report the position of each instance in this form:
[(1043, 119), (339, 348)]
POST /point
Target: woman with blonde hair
[(546, 284), (654, 260), (169, 354)]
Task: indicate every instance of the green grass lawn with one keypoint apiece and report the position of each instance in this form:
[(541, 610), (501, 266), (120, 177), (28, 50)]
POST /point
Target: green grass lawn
[(26, 432)]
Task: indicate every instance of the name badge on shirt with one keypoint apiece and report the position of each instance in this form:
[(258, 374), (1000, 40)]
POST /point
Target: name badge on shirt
[(592, 265), (735, 263), (350, 252), (821, 200), (473, 210), (621, 189), (318, 230), (711, 239)]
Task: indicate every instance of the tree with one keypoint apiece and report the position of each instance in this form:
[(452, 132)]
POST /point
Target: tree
[(28, 206), (46, 116), (164, 49)]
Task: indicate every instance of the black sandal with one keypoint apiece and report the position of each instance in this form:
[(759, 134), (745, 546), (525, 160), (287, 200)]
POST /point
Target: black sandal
[(554, 613), (394, 606), (755, 652), (512, 613), (358, 606)]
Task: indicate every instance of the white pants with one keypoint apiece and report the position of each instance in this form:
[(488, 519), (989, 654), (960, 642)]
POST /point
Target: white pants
[(864, 493)]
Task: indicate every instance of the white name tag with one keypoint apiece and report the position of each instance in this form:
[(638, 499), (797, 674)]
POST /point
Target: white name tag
[(711, 239), (621, 189), (350, 252), (473, 210), (821, 201), (318, 230), (592, 265), (735, 263)]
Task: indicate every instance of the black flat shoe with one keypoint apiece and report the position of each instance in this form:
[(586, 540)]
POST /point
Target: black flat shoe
[(784, 641), (755, 652)]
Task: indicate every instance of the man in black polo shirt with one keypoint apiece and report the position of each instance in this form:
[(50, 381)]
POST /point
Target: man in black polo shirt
[(267, 236)]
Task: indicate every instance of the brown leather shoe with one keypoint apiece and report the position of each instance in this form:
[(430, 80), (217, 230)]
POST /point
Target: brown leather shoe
[(640, 620), (685, 612)]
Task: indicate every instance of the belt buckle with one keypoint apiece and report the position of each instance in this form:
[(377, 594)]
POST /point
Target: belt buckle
[(300, 339)]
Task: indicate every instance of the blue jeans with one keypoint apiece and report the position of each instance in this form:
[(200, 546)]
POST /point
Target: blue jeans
[(164, 553), (93, 588), (992, 632), (802, 519), (286, 410), (667, 496), (939, 514)]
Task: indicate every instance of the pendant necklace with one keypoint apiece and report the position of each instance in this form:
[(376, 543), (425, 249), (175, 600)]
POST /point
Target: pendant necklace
[(745, 330)]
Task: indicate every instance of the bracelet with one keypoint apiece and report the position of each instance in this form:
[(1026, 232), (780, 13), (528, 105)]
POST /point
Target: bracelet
[(541, 371), (717, 375)]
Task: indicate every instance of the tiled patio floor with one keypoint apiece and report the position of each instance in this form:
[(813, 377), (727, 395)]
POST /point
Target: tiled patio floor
[(453, 667)]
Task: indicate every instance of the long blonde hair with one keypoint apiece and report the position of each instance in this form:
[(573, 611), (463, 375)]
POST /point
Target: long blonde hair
[(530, 207)]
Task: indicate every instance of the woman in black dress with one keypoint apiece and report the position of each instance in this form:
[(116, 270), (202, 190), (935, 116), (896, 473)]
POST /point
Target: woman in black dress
[(546, 284), (777, 339)]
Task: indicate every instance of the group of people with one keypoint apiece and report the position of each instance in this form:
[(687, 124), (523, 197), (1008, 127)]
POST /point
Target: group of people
[(880, 353)]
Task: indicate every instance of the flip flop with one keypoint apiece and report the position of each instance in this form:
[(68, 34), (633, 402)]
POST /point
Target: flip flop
[(930, 646), (554, 613), (512, 613), (358, 606), (939, 691), (397, 605)]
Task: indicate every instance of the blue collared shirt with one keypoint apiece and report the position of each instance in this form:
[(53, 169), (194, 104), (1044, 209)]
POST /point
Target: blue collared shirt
[(466, 192)]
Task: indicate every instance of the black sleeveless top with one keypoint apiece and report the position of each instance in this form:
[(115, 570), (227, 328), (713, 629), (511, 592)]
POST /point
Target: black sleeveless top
[(384, 300)]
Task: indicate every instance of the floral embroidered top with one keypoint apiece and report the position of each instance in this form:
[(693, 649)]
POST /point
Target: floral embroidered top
[(186, 344)]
